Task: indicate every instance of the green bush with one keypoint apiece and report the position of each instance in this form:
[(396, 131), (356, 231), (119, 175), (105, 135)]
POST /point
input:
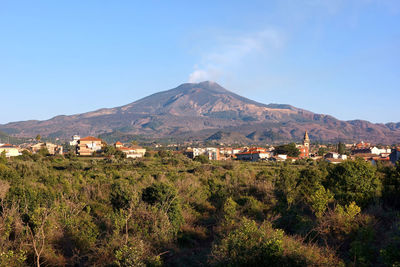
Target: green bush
[(202, 159), (120, 196), (391, 252), (250, 245), (165, 197), (354, 181)]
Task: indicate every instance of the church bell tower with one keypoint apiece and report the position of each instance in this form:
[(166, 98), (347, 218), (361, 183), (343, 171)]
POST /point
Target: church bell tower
[(306, 140)]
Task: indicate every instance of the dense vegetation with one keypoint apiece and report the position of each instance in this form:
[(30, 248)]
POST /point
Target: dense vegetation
[(166, 209)]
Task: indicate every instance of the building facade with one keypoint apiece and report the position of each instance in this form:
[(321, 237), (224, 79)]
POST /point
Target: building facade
[(9, 150), (89, 145)]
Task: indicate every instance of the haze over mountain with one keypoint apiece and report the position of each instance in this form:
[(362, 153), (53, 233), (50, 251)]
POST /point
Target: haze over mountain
[(207, 110)]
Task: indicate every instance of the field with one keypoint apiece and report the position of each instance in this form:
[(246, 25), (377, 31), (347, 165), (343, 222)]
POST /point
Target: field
[(168, 210)]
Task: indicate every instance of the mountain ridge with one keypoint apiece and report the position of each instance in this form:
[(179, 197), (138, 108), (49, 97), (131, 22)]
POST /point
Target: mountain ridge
[(192, 108)]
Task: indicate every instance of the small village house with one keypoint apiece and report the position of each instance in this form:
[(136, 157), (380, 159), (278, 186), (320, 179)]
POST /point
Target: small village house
[(87, 146), (254, 154), (371, 150), (212, 153), (9, 150), (75, 140), (52, 148), (133, 151)]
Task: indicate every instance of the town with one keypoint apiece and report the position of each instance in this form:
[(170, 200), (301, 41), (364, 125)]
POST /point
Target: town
[(96, 147)]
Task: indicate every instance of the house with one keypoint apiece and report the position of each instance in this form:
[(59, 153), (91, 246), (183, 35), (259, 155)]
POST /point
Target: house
[(253, 155), (279, 158), (362, 145), (75, 140), (282, 157), (52, 148), (212, 153), (395, 155), (237, 150), (380, 151), (9, 150), (331, 155), (335, 158), (138, 149), (227, 151), (131, 152), (87, 146), (371, 150)]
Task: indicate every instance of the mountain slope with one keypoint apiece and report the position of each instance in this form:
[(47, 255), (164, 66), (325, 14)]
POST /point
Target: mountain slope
[(201, 108)]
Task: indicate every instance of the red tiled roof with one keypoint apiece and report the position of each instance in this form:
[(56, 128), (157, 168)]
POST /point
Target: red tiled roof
[(251, 152), (118, 143), (90, 138), (7, 146), (125, 148), (135, 147)]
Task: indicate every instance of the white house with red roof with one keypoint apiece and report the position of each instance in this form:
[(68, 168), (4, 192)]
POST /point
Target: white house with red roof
[(10, 150), (254, 154), (133, 151)]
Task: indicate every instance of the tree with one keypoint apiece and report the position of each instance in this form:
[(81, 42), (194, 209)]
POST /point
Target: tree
[(3, 158), (109, 151), (165, 197), (43, 152), (38, 137), (354, 181), (202, 159), (319, 201), (322, 151), (391, 186), (341, 148), (288, 149), (37, 230)]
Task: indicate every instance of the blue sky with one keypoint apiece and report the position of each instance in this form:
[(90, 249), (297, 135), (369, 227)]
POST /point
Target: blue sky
[(337, 57)]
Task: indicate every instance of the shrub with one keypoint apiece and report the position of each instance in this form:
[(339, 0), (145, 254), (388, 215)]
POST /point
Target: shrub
[(165, 197), (354, 181), (391, 252), (250, 245), (120, 197), (202, 159), (12, 258), (319, 201)]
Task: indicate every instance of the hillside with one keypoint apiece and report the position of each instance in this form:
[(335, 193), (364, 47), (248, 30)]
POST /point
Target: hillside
[(198, 110)]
